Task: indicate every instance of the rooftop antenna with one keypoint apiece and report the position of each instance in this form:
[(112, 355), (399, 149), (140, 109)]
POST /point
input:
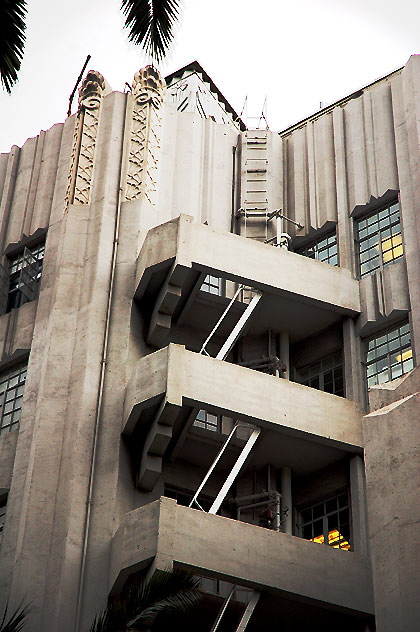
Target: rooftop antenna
[(79, 78), (263, 116)]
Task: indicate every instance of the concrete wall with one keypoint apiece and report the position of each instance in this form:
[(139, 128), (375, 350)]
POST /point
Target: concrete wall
[(392, 445)]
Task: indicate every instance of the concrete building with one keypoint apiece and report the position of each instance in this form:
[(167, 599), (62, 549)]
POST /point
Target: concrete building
[(171, 279)]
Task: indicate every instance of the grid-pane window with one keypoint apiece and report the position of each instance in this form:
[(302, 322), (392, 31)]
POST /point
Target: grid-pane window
[(325, 375), (328, 522), (379, 239), (2, 518), (213, 285), (12, 384), (208, 421), (323, 250), (25, 270), (389, 355)]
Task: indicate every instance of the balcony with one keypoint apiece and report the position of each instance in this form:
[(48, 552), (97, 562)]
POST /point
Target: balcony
[(302, 427), (169, 535), (300, 295)]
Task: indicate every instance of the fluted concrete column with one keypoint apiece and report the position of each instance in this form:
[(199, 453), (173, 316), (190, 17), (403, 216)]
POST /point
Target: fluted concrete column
[(358, 505)]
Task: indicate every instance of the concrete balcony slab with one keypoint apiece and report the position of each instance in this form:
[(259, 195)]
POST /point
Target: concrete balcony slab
[(299, 293), (166, 386), (170, 535)]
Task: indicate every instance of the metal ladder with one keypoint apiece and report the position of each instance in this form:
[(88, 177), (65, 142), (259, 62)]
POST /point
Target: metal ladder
[(255, 203)]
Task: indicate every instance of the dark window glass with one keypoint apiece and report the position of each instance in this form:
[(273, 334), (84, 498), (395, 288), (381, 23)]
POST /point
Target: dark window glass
[(326, 375), (25, 270)]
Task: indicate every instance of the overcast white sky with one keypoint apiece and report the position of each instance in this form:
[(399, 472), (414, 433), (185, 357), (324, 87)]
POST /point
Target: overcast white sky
[(296, 53)]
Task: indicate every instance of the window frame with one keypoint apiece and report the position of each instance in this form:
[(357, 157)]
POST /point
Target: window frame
[(3, 510), (16, 272), (6, 376), (379, 337), (321, 374), (324, 516), (214, 285), (362, 223), (207, 424), (315, 246)]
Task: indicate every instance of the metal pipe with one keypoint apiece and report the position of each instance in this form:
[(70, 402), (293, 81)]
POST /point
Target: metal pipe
[(286, 494), (284, 353), (216, 460), (223, 610), (76, 84), (99, 398), (202, 350), (234, 471)]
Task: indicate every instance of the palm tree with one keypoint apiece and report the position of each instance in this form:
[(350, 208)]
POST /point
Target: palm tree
[(139, 602), (150, 24), (16, 621), (12, 40)]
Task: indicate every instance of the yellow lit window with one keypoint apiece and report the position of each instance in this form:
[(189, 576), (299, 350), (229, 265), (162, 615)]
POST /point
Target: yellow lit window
[(379, 239)]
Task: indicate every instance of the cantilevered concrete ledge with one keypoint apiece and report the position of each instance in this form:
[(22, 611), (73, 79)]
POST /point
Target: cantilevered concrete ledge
[(167, 382), (169, 534), (177, 255)]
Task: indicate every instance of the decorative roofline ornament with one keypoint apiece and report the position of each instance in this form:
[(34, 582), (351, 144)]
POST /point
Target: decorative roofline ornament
[(84, 141), (148, 90)]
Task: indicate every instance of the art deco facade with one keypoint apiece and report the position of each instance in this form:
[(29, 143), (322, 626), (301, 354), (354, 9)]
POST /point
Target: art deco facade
[(171, 279)]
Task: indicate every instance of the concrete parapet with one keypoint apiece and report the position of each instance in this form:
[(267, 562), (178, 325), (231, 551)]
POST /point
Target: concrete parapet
[(241, 553)]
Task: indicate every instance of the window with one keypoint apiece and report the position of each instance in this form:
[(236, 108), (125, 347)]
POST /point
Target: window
[(325, 375), (389, 355), (213, 285), (324, 249), (24, 274), (208, 421), (378, 239), (2, 517), (11, 393), (328, 522)]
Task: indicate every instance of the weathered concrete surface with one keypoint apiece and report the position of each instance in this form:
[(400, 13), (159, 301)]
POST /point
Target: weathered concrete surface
[(240, 553), (7, 458), (190, 244), (392, 460), (188, 377)]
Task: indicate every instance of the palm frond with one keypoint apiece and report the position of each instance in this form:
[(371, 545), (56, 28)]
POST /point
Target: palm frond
[(12, 40), (16, 621), (151, 24), (139, 601), (181, 601)]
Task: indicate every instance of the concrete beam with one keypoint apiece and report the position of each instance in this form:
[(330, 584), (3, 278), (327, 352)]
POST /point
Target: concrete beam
[(166, 384), (242, 554), (195, 246)]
